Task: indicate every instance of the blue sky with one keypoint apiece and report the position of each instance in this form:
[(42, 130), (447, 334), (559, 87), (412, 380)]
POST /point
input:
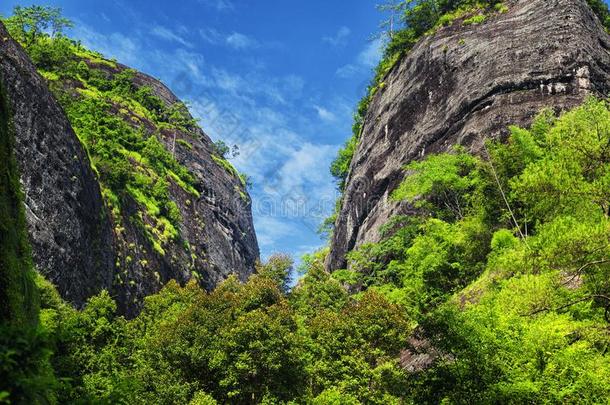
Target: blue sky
[(278, 78)]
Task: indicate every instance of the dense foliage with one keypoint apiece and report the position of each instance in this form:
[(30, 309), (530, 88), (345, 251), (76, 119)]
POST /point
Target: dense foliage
[(504, 275), (243, 343), (29, 24), (506, 270)]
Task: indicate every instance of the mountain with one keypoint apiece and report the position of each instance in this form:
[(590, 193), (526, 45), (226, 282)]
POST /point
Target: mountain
[(463, 84), (471, 256), (123, 190)]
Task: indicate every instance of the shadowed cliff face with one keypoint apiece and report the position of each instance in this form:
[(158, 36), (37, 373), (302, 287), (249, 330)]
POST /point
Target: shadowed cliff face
[(69, 230), (462, 85)]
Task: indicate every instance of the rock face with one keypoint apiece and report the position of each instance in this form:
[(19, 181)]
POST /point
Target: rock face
[(218, 226), (217, 236), (78, 243), (462, 85), (69, 230)]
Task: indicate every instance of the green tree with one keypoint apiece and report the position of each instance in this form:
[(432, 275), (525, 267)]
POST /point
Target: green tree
[(278, 268), (28, 24)]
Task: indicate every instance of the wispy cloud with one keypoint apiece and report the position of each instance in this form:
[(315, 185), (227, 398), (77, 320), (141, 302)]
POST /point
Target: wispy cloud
[(324, 114), (347, 71), (113, 45), (277, 90), (371, 54), (192, 61), (302, 168), (271, 229), (211, 36), (340, 38), (365, 60), (235, 40), (169, 35), (137, 51), (220, 5), (241, 41)]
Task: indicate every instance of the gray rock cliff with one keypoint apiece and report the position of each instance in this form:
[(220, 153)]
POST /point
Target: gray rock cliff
[(78, 244), (70, 233), (462, 85), (218, 226)]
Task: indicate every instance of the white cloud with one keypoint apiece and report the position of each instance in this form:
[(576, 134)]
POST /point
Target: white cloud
[(347, 71), (368, 58), (211, 36), (191, 60), (220, 5), (303, 166), (340, 38), (371, 54), (324, 114), (241, 41), (236, 40), (169, 35), (227, 81), (278, 90), (183, 67), (270, 229), (114, 45)]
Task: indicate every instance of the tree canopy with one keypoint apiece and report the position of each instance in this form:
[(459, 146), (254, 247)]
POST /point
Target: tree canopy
[(28, 24)]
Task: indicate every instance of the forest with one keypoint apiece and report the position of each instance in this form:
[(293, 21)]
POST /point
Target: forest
[(505, 273), (502, 277)]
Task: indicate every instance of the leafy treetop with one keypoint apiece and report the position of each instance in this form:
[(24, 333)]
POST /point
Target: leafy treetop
[(28, 24)]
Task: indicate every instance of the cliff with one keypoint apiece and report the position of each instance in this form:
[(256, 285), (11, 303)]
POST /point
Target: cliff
[(461, 85), (123, 190), (217, 224), (18, 301), (69, 231)]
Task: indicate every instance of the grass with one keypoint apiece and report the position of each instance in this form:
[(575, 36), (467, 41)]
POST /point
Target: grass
[(184, 143), (49, 76), (93, 57), (476, 19), (225, 164)]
